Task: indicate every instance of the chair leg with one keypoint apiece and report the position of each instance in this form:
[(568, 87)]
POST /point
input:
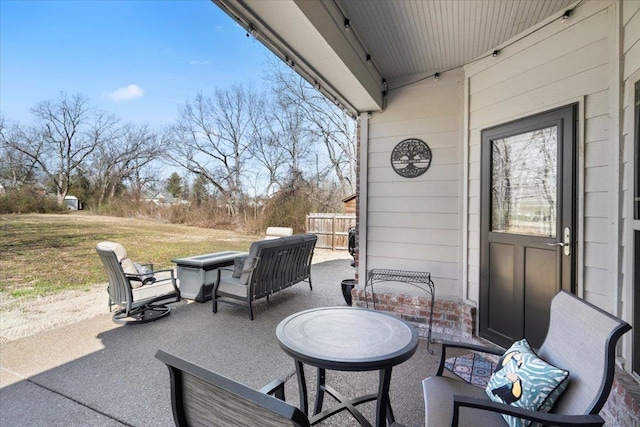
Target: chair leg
[(214, 304)]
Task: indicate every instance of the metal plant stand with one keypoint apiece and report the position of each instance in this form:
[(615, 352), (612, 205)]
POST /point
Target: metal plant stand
[(419, 279)]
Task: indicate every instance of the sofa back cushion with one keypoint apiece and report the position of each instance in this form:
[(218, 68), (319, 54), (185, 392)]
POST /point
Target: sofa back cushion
[(277, 232)]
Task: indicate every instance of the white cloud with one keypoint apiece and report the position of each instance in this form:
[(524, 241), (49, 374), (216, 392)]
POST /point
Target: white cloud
[(199, 62), (126, 93)]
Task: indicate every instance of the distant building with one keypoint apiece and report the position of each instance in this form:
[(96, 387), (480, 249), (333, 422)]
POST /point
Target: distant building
[(163, 198), (350, 204), (73, 203)]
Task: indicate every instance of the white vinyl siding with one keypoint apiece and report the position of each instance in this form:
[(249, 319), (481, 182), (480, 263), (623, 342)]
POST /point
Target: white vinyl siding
[(557, 65), (414, 224), (631, 53)]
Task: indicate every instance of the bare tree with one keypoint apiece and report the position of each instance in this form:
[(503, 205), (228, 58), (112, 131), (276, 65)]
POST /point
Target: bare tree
[(323, 119), (128, 151), (281, 142), (66, 133), (16, 169), (212, 140)]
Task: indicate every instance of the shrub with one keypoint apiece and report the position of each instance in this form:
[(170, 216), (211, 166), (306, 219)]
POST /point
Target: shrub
[(289, 209), (26, 200)]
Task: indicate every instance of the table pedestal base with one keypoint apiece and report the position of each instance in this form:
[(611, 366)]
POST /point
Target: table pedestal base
[(383, 407)]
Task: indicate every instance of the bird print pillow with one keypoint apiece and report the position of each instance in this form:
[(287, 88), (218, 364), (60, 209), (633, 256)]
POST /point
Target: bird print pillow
[(523, 379)]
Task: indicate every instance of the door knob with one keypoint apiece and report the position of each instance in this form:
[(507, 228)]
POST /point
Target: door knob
[(566, 244)]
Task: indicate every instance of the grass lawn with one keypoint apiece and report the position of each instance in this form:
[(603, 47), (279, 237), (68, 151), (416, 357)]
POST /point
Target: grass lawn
[(43, 254)]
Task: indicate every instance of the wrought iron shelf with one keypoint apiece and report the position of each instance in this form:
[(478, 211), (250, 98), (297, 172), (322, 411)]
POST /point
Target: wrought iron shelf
[(419, 279)]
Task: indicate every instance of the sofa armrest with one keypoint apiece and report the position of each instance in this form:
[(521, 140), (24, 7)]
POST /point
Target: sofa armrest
[(545, 418), (253, 266)]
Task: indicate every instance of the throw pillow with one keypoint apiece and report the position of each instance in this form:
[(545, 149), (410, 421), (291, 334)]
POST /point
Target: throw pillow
[(142, 276), (147, 277), (523, 379), (238, 266)]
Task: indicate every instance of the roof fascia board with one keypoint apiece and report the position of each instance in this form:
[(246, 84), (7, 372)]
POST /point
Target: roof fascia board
[(328, 20), (320, 57)]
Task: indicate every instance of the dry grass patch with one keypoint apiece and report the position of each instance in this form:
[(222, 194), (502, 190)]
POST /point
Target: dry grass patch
[(42, 254)]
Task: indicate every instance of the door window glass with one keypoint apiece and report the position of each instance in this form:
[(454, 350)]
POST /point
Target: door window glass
[(523, 183)]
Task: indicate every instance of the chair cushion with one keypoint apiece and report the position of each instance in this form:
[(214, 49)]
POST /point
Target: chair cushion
[(231, 285), (438, 404), (523, 379), (121, 253), (277, 232)]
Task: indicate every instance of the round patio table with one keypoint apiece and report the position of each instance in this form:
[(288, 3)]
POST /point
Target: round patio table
[(347, 339)]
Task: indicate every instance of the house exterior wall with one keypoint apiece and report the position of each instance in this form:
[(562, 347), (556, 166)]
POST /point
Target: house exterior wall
[(432, 222), (415, 224), (556, 65), (631, 75)]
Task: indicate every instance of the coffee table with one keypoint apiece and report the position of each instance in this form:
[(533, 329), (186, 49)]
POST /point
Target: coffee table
[(347, 339), (198, 274)]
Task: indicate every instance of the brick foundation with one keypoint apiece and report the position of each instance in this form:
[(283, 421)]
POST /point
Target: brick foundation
[(456, 321), (452, 320), (623, 406)]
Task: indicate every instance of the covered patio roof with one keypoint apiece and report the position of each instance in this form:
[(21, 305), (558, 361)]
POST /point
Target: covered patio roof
[(355, 50)]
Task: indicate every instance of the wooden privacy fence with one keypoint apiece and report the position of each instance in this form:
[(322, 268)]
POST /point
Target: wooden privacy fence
[(332, 229)]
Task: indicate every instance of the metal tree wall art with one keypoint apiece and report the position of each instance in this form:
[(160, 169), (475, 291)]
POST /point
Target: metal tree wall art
[(411, 158)]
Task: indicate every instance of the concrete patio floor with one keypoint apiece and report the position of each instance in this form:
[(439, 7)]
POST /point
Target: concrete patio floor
[(97, 373)]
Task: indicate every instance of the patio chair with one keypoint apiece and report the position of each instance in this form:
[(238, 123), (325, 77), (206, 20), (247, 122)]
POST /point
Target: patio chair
[(203, 398), (581, 340), (141, 296)]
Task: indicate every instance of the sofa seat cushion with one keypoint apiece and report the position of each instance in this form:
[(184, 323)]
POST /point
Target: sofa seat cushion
[(438, 403), (232, 285)]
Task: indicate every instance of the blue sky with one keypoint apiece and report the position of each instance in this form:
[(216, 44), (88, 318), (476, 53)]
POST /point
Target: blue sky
[(139, 60)]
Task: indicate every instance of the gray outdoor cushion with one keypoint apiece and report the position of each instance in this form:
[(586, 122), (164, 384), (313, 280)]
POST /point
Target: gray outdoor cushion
[(277, 232), (438, 403), (121, 253), (238, 266), (231, 285)]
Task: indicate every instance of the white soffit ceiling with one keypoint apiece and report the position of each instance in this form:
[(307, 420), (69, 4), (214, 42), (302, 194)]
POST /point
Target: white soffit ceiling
[(406, 39), (414, 37)]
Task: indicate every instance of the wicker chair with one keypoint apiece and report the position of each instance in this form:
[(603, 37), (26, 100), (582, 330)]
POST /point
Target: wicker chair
[(581, 339), (203, 398), (138, 302)]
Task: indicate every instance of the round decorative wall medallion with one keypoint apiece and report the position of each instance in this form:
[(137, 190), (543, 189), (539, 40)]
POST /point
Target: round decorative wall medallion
[(411, 158)]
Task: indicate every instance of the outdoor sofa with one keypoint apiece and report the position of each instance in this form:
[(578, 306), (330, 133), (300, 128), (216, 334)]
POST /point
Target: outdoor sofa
[(272, 265)]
